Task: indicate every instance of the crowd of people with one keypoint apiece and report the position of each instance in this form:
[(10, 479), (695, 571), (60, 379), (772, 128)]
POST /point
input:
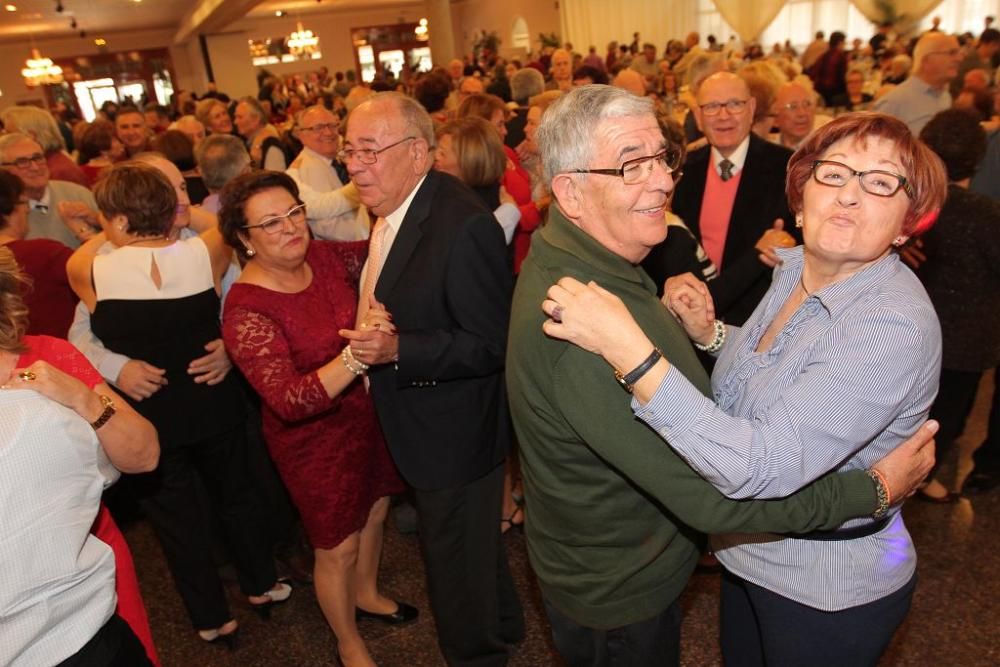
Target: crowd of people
[(487, 289)]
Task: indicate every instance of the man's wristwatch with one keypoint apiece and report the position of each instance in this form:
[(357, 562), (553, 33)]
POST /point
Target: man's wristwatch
[(109, 411), (628, 380)]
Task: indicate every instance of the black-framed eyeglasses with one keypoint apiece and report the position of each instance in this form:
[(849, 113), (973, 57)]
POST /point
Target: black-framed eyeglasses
[(319, 127), (367, 155), (275, 223), (732, 106), (25, 162), (874, 181), (638, 170)]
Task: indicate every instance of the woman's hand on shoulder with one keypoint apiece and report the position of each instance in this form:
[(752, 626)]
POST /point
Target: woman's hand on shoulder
[(49, 381), (593, 318)]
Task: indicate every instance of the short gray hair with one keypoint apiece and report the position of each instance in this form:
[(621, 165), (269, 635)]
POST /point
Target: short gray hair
[(525, 84), (11, 138), (37, 123), (221, 158), (566, 135)]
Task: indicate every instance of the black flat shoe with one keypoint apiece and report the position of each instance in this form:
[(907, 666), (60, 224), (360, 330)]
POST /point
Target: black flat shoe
[(404, 614)]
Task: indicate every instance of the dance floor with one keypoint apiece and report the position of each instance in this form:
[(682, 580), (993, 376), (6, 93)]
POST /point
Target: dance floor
[(955, 619)]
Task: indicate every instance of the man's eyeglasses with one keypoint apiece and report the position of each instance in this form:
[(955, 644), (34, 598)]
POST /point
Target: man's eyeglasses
[(367, 155), (874, 181), (319, 127), (274, 224), (732, 106), (639, 169), (950, 52), (25, 162), (805, 105)]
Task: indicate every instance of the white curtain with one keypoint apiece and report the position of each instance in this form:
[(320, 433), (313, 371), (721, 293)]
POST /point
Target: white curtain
[(588, 23), (909, 11), (749, 19)]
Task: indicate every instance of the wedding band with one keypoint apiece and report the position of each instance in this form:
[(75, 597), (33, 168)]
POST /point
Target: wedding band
[(557, 314), (27, 376)]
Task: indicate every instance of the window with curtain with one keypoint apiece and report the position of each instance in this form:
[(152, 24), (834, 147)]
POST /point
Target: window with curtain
[(963, 15)]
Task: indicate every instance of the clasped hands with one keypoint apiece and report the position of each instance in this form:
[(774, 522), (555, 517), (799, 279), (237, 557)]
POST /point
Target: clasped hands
[(375, 341)]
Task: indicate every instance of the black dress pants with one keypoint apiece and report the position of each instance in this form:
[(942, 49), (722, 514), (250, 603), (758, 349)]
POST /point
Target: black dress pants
[(956, 396), (171, 501), (471, 591), (114, 645)]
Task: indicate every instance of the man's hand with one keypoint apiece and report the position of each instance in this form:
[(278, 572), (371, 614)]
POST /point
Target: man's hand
[(913, 254), (140, 380), (776, 237), (905, 467), (213, 367), (372, 345)]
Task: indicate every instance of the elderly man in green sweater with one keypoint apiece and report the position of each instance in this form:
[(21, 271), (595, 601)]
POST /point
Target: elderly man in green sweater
[(616, 516)]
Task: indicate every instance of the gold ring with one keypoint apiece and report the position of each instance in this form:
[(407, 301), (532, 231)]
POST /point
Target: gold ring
[(27, 376)]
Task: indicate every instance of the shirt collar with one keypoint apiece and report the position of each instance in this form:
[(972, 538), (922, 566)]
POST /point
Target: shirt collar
[(738, 158), (46, 199), (839, 296), (564, 235), (318, 156), (395, 219)]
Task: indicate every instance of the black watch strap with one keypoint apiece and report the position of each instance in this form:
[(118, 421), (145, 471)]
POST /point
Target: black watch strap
[(629, 379)]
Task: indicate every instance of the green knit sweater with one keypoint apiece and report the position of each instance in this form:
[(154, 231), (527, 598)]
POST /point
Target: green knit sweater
[(613, 514)]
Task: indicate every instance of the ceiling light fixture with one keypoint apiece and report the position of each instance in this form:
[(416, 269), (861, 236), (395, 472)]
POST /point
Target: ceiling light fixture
[(279, 13), (302, 42), (39, 71), (100, 41), (10, 8)]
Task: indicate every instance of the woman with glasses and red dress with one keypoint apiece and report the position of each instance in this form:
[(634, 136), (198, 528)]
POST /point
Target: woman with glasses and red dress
[(280, 325)]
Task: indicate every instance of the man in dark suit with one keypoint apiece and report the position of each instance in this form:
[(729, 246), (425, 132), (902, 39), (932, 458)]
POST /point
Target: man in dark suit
[(731, 198), (437, 372)]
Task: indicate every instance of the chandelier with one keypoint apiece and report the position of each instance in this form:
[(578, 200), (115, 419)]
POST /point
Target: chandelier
[(302, 42), (41, 71)]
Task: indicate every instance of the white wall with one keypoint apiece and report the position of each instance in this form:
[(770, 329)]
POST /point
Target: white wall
[(473, 16)]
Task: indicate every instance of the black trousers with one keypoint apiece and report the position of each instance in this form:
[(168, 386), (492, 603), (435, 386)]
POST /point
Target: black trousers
[(114, 645), (471, 592), (171, 501), (956, 396), (987, 457), (763, 628), (654, 642)]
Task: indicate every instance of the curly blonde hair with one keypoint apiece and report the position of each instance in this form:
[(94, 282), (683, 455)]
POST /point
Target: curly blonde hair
[(13, 312)]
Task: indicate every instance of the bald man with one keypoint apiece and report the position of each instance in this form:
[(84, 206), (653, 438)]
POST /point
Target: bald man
[(915, 101), (560, 71), (795, 114)]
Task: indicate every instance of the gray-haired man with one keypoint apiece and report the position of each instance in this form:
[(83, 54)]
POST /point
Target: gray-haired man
[(615, 515)]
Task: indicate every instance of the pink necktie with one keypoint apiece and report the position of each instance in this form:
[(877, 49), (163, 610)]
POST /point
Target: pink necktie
[(374, 266)]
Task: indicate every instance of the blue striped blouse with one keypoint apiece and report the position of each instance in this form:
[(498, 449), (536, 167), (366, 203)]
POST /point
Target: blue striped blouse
[(851, 376)]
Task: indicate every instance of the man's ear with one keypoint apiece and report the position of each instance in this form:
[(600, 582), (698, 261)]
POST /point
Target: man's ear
[(569, 196), (420, 150)]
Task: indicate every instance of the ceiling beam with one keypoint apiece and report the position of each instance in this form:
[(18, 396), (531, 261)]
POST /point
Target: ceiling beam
[(212, 16)]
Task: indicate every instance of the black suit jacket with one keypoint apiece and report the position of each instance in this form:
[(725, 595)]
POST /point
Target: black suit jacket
[(448, 285), (760, 199)]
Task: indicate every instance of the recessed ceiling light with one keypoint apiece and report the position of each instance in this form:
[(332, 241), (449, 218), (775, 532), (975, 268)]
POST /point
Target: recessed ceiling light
[(279, 13), (10, 8), (100, 42)]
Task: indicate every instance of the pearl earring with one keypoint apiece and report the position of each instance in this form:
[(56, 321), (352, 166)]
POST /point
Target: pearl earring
[(798, 219), (251, 252)]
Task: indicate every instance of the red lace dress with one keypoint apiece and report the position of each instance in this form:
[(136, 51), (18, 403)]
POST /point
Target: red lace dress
[(329, 452)]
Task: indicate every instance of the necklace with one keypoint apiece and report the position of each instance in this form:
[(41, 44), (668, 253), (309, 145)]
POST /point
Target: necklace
[(802, 282), (145, 239)]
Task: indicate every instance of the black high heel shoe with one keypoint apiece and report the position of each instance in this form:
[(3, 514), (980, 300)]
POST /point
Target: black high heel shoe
[(281, 592), (230, 639)]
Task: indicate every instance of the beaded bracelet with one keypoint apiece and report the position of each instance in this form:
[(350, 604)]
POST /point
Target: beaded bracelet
[(882, 494), (348, 358), (717, 342)]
